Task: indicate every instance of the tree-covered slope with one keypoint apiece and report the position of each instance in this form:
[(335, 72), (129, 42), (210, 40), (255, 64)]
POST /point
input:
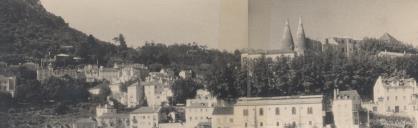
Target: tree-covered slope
[(28, 31)]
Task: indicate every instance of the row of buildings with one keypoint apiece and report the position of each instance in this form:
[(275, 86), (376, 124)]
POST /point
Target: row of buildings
[(115, 74), (393, 96)]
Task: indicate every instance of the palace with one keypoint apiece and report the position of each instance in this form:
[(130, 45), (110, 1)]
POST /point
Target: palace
[(285, 48)]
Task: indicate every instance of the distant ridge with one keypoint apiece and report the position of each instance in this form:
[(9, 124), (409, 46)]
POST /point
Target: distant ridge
[(29, 31)]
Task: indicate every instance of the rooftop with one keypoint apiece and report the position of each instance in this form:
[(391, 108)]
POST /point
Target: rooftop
[(348, 93), (223, 111), (144, 110), (397, 81), (273, 51), (113, 115), (282, 100)]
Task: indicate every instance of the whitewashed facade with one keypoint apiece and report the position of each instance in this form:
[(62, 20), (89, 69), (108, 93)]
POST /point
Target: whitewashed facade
[(394, 95), (8, 84), (145, 117), (279, 112), (200, 109), (345, 108), (133, 95)]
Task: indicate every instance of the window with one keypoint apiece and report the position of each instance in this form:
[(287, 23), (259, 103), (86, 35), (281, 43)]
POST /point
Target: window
[(374, 109), (231, 120), (246, 124), (261, 112), (310, 110), (396, 97), (387, 98), (277, 111), (261, 124), (310, 122), (245, 112), (277, 124), (293, 110)]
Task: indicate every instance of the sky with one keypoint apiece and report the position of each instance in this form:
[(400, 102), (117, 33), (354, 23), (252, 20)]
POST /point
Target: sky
[(333, 18), (206, 22), (162, 21)]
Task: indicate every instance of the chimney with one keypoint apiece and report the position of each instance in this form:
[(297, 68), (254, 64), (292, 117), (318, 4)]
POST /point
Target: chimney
[(335, 94)]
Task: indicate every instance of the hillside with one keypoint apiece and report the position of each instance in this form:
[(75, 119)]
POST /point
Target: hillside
[(28, 30)]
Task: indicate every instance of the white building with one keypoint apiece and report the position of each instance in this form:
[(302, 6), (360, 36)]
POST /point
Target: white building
[(394, 95), (134, 95), (115, 74), (8, 84), (200, 109), (165, 77), (94, 91), (269, 112), (393, 54), (184, 74), (145, 117), (103, 109), (223, 117), (345, 108), (157, 93)]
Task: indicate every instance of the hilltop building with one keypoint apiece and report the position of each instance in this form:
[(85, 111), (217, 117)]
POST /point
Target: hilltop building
[(285, 48), (345, 108), (348, 46), (45, 73), (8, 84), (115, 74)]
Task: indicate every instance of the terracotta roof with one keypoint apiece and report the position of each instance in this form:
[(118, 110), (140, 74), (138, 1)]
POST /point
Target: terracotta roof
[(223, 111)]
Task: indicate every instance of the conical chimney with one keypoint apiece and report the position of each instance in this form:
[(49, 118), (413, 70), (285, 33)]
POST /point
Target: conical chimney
[(300, 45), (286, 44)]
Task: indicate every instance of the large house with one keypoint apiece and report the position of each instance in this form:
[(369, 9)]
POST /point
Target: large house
[(157, 87), (286, 111), (200, 109), (45, 73), (223, 117), (134, 95), (394, 95), (157, 93), (115, 74), (8, 84), (145, 117), (346, 106)]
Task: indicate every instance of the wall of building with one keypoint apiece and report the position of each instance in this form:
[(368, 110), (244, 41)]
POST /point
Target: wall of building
[(285, 117)]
